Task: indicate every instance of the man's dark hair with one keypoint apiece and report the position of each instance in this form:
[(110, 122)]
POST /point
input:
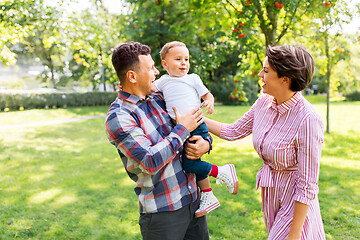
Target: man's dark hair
[(126, 57), (293, 62)]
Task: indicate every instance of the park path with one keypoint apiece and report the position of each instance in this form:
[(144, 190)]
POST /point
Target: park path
[(52, 122)]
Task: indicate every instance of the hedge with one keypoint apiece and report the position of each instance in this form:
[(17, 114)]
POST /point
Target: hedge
[(28, 100), (353, 96)]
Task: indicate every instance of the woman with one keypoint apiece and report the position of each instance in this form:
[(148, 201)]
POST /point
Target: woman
[(287, 134)]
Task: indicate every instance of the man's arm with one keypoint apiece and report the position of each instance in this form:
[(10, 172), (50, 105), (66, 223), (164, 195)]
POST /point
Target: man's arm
[(134, 143), (197, 149)]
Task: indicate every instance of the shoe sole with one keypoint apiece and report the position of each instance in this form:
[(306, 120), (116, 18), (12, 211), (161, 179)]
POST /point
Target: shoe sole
[(234, 176), (207, 210)]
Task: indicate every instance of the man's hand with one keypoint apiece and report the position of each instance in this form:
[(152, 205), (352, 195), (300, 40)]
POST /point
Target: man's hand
[(209, 106), (190, 120), (197, 149)]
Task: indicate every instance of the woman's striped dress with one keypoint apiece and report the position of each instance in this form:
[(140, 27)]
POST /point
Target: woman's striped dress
[(288, 139)]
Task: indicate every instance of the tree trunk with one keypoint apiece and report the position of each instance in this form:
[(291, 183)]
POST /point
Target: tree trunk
[(52, 70), (328, 73)]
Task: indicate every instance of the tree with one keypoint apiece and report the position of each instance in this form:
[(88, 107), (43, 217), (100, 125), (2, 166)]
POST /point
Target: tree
[(335, 47), (46, 40), (16, 17), (74, 47), (33, 29), (92, 34)]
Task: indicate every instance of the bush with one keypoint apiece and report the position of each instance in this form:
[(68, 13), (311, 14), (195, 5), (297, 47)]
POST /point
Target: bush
[(28, 100), (353, 95)]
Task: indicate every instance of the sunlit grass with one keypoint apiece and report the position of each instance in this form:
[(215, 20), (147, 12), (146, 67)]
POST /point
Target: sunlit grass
[(67, 182), (40, 115)]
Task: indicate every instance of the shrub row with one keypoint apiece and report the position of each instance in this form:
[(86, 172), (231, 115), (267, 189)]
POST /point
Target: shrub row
[(23, 100), (353, 95)]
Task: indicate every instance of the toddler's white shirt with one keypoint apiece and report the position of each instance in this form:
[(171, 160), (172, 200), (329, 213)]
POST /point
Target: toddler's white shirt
[(181, 92)]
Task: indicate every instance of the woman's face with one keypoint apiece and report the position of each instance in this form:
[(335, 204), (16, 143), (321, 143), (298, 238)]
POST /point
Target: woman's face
[(271, 83)]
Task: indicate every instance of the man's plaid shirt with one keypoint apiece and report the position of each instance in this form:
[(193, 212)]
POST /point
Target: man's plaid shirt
[(150, 146)]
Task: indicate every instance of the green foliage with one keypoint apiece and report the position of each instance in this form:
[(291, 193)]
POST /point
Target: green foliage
[(353, 95), (54, 35), (346, 72), (16, 101), (16, 18), (92, 34), (227, 39)]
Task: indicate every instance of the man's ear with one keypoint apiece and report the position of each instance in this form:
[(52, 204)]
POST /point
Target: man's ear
[(131, 76)]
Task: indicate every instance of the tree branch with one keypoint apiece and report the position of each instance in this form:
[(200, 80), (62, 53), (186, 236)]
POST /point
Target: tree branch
[(232, 5), (262, 20), (286, 26)]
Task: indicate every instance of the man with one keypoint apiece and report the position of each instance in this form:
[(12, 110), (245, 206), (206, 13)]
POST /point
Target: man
[(149, 145)]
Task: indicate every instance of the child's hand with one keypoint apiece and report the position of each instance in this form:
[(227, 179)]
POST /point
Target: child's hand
[(209, 106)]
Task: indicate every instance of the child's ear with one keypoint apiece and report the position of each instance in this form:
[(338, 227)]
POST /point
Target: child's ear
[(163, 63)]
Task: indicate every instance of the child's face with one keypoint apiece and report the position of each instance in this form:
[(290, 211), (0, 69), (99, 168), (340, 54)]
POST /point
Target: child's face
[(176, 61)]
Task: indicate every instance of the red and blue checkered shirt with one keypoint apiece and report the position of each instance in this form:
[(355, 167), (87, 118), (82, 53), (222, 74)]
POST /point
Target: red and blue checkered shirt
[(150, 147)]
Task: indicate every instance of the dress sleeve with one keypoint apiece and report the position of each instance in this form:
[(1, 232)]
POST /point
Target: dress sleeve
[(239, 129), (308, 149), (131, 140)]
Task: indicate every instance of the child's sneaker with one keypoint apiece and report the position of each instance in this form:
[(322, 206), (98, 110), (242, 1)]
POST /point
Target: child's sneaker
[(227, 175), (208, 202)]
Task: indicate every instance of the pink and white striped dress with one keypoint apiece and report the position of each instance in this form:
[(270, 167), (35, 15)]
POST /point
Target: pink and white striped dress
[(288, 139)]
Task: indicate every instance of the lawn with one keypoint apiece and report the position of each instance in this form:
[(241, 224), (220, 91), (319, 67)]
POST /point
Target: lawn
[(66, 181)]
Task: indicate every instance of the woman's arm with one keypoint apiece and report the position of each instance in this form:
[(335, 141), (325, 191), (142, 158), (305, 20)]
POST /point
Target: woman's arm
[(300, 211), (213, 126), (308, 144), (237, 130)]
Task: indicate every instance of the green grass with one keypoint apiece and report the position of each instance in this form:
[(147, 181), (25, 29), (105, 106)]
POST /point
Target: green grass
[(67, 182), (39, 115)]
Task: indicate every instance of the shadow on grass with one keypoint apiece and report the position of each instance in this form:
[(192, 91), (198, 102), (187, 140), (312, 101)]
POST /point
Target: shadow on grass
[(65, 182)]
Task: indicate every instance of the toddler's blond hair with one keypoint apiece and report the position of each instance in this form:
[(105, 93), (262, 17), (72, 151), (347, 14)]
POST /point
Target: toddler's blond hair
[(165, 49)]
